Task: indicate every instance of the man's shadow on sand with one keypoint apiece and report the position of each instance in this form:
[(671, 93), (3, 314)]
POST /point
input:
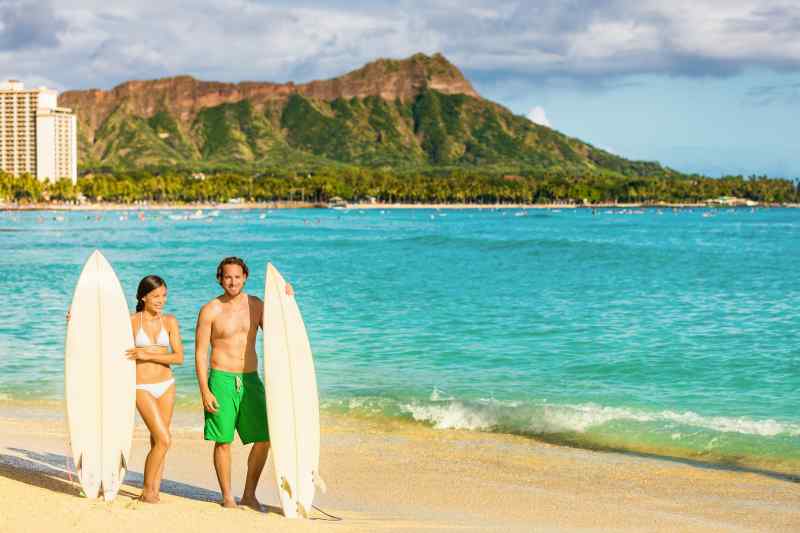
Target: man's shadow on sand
[(54, 472)]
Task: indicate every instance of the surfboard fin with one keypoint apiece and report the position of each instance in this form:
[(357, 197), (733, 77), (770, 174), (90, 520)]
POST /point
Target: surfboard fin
[(123, 469), (301, 510), (319, 482), (79, 473), (286, 487)]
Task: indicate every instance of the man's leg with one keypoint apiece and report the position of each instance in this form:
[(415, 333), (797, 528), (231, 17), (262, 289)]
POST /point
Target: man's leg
[(252, 426), (255, 465), (222, 464), (219, 427)]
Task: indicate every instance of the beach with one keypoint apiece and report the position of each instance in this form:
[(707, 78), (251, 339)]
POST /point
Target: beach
[(477, 370), (396, 476)]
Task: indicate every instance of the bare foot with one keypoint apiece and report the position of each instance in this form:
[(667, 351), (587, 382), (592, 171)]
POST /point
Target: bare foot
[(251, 502), (229, 503), (148, 498)]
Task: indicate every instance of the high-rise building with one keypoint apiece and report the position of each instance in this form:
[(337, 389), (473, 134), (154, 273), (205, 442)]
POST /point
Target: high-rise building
[(56, 146), (36, 136)]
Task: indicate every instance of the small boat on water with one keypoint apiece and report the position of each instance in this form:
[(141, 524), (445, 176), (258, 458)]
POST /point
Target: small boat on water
[(337, 203)]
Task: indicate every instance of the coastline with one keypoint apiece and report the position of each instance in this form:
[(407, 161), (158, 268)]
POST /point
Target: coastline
[(400, 476), (110, 206)]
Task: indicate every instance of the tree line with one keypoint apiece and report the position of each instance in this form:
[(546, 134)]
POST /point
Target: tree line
[(427, 186)]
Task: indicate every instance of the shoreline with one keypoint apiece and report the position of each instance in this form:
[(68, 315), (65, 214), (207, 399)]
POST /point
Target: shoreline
[(108, 206), (401, 477), (188, 418)]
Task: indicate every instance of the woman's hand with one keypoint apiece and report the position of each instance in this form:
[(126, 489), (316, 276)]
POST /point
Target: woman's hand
[(137, 354), (289, 290)]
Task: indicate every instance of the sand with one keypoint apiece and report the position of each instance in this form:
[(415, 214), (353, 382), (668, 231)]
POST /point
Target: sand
[(397, 476)]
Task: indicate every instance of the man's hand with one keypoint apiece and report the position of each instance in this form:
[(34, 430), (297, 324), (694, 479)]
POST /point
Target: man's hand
[(210, 402)]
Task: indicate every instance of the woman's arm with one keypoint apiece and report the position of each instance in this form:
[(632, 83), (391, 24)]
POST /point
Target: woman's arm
[(174, 330), (160, 354)]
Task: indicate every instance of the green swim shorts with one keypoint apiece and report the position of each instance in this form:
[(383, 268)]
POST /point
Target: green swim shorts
[(241, 406)]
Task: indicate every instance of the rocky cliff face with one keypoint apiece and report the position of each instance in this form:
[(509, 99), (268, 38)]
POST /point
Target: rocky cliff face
[(418, 111), (184, 97)]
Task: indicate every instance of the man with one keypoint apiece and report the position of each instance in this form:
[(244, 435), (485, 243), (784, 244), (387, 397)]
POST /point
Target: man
[(232, 392)]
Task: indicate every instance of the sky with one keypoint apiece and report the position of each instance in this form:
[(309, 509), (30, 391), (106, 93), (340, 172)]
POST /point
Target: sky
[(706, 86)]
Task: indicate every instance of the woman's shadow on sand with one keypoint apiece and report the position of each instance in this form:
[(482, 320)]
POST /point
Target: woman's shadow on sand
[(54, 472)]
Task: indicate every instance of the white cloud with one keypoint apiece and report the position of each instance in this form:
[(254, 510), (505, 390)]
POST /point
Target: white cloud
[(99, 44), (609, 149), (538, 116)]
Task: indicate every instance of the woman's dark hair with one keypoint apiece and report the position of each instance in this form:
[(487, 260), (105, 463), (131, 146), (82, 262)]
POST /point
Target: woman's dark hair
[(231, 261), (148, 283)]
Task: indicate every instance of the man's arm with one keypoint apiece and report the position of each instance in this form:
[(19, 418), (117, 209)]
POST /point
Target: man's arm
[(202, 340), (259, 309)]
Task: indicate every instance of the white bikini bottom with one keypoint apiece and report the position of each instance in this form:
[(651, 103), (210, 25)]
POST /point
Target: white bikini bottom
[(156, 389)]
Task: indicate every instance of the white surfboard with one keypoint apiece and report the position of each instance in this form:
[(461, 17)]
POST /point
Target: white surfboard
[(99, 380), (292, 398)]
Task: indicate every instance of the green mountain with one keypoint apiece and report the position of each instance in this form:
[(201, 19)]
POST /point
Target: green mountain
[(416, 112)]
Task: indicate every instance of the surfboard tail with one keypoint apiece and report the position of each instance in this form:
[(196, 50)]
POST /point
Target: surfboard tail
[(114, 483), (90, 483)]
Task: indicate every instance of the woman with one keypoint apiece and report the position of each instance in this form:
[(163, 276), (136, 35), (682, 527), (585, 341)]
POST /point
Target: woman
[(157, 341)]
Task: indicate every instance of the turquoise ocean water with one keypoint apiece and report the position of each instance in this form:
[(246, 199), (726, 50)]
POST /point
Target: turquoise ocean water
[(672, 333)]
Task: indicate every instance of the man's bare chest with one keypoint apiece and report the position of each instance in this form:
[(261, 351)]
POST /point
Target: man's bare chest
[(231, 324)]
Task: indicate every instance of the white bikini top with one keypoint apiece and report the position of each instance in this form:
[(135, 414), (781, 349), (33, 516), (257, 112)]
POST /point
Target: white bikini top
[(141, 340)]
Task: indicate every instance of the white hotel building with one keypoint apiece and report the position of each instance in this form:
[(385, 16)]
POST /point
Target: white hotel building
[(36, 136)]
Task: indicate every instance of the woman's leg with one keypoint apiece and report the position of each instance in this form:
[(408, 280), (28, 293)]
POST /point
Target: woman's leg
[(166, 405), (160, 441)]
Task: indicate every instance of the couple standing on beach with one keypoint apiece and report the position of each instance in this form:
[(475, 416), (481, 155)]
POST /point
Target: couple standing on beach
[(232, 393)]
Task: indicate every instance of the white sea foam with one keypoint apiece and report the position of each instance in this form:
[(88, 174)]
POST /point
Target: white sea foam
[(764, 428), (439, 395), (582, 417), (369, 405), (452, 415), (488, 413), (443, 411), (500, 403)]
